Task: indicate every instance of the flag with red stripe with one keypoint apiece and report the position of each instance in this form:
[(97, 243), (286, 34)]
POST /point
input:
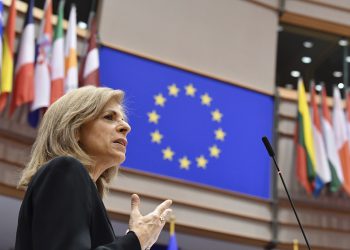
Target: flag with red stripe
[(24, 73)]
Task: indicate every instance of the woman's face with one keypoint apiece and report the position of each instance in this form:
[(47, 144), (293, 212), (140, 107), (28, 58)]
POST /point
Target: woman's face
[(104, 139)]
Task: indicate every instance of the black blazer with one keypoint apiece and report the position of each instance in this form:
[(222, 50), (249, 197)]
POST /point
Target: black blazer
[(62, 210)]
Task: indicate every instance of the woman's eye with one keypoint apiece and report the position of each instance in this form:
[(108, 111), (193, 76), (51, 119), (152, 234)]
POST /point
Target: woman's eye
[(108, 117)]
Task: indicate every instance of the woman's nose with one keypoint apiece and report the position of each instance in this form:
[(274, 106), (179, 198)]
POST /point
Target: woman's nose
[(124, 128)]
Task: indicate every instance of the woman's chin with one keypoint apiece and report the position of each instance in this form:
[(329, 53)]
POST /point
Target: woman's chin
[(119, 158)]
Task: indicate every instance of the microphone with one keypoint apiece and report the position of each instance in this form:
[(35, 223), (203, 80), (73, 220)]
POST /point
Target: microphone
[(272, 154)]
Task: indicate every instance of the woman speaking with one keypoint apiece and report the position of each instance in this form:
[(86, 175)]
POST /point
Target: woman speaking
[(80, 145)]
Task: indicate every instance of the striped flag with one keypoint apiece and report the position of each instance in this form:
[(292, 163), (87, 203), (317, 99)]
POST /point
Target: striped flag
[(323, 173), (57, 59), (332, 153), (42, 81), (71, 61), (172, 245), (341, 137), (24, 73), (90, 65), (305, 146), (7, 56)]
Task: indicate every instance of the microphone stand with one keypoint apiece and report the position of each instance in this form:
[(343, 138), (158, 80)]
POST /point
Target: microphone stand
[(272, 155)]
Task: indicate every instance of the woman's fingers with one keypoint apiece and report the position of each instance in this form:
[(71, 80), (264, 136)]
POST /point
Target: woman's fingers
[(148, 227), (165, 216), (135, 204), (162, 207)]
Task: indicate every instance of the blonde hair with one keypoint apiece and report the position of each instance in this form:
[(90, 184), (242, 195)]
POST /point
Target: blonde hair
[(59, 130)]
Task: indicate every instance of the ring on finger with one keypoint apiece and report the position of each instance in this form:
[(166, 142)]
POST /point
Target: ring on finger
[(162, 219)]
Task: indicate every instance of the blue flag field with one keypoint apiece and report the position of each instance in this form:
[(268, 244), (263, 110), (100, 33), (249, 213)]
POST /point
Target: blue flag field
[(190, 127)]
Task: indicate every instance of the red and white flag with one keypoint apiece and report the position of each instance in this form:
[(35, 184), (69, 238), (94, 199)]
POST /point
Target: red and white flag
[(341, 137), (24, 72), (90, 65)]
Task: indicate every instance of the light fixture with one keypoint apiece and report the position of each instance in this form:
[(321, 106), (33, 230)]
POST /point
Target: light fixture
[(82, 25), (337, 74), (318, 87), (341, 85), (343, 42), (308, 44), (295, 73), (347, 59), (306, 59)]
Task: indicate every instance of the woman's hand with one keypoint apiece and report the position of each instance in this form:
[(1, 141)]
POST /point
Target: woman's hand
[(148, 227)]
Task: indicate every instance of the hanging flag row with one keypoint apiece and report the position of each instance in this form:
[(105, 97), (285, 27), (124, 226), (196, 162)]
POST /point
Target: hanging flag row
[(46, 66), (322, 142)]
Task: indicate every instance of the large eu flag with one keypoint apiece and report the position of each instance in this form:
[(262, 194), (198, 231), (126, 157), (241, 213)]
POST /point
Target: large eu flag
[(191, 127)]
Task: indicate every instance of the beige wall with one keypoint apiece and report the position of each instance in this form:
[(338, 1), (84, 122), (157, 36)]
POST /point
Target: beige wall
[(234, 40)]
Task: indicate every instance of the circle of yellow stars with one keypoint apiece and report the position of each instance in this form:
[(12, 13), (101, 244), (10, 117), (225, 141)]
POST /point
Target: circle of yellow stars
[(160, 100)]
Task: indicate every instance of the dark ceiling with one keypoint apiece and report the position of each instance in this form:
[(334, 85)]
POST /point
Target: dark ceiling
[(326, 54), (83, 7)]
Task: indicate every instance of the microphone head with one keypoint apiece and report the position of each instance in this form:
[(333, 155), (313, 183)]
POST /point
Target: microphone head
[(268, 146)]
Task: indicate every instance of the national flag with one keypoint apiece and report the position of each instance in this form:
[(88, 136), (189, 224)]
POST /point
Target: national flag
[(89, 74), (24, 72), (42, 79), (341, 137), (7, 56), (323, 174), (172, 245), (57, 58), (305, 163), (71, 61), (331, 146)]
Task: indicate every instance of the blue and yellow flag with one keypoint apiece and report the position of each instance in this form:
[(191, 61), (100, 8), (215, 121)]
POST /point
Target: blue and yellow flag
[(172, 245), (191, 127)]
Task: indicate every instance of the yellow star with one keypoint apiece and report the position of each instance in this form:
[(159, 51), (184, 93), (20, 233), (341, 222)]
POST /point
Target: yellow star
[(214, 151), (173, 90), (216, 115), (206, 99), (168, 154), (159, 100), (185, 163), (190, 90), (220, 134), (201, 162), (153, 117), (156, 137)]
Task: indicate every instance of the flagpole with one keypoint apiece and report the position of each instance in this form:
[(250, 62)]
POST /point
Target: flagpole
[(295, 244), (172, 225)]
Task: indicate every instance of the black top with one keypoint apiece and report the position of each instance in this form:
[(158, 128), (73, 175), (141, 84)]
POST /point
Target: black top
[(63, 210)]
